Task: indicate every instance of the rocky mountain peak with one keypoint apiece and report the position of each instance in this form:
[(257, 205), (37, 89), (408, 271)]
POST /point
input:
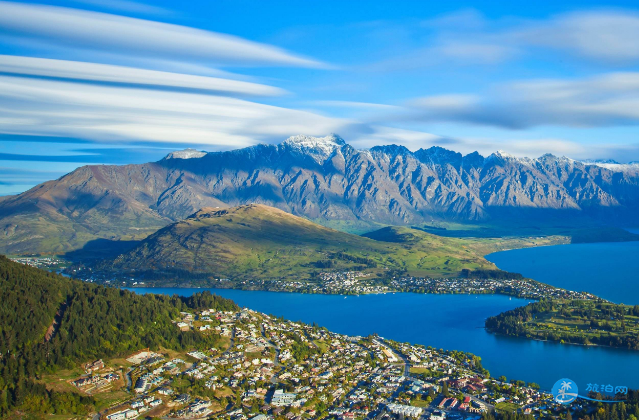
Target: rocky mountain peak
[(600, 161), (315, 144), (503, 155), (319, 148), (185, 154), (391, 149), (439, 156)]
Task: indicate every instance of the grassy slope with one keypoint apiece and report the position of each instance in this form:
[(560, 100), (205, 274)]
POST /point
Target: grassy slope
[(257, 241), (48, 234)]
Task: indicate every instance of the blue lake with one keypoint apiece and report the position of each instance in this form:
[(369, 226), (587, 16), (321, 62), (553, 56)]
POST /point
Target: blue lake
[(609, 270), (445, 321)]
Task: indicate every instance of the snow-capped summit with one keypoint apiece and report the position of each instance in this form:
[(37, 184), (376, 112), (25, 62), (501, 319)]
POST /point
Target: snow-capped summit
[(503, 155), (185, 154), (500, 156), (318, 147)]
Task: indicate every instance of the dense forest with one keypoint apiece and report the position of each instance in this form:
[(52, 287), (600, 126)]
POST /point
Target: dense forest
[(48, 322), (572, 321)]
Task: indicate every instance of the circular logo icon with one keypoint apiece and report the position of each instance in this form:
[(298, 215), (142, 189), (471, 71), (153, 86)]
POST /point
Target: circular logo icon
[(565, 391)]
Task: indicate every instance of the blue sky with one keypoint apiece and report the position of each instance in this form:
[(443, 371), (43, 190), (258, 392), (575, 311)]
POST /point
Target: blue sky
[(116, 82)]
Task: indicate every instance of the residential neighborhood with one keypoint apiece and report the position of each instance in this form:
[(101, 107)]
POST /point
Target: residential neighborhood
[(271, 368)]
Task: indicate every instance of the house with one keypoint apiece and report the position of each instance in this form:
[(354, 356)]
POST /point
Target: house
[(93, 366), (165, 391), (155, 403), (183, 326), (117, 416), (405, 410), (438, 415), (182, 398), (141, 385), (130, 414)]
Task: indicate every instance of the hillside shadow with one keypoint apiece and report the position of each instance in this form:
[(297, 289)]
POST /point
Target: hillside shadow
[(100, 249)]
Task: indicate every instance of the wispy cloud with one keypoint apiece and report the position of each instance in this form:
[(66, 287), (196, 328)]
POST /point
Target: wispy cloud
[(57, 108), (608, 36), (603, 37), (126, 6), (128, 75), (354, 105), (606, 100), (102, 31)]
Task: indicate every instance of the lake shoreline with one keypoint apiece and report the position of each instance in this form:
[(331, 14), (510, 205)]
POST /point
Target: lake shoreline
[(441, 321), (605, 269)]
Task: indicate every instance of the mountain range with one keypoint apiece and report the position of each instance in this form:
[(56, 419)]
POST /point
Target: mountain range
[(323, 179)]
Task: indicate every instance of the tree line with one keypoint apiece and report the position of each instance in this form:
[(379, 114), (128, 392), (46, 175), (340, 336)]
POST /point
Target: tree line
[(49, 322)]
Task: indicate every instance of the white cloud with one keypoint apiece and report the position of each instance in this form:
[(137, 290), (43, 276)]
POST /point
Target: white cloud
[(120, 74), (64, 26), (523, 147), (103, 113)]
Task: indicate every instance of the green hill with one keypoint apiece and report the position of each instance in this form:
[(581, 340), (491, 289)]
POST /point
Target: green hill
[(49, 322), (261, 242)]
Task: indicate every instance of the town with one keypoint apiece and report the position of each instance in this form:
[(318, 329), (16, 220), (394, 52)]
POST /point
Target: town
[(271, 368), (360, 283)]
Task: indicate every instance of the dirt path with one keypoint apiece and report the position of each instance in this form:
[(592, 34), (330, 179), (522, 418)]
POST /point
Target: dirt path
[(55, 324)]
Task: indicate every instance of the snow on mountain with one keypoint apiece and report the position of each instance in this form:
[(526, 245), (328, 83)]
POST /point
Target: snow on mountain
[(319, 148), (185, 154), (613, 165)]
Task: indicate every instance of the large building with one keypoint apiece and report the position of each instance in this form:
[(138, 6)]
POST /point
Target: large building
[(281, 398), (406, 410)]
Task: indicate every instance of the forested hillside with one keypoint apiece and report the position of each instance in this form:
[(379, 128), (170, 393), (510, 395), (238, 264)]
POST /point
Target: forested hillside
[(48, 322), (585, 322)]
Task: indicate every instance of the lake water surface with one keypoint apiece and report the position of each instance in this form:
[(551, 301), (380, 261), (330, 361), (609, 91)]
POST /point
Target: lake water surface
[(445, 321), (609, 270)]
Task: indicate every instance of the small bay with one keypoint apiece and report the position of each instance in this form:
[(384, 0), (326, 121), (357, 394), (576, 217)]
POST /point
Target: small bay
[(608, 269)]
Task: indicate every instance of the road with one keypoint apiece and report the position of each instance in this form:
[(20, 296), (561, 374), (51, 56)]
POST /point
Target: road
[(127, 375), (232, 341), (398, 355), (276, 362)]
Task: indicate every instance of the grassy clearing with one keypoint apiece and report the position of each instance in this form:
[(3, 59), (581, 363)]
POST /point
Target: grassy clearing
[(506, 407), (420, 370)]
